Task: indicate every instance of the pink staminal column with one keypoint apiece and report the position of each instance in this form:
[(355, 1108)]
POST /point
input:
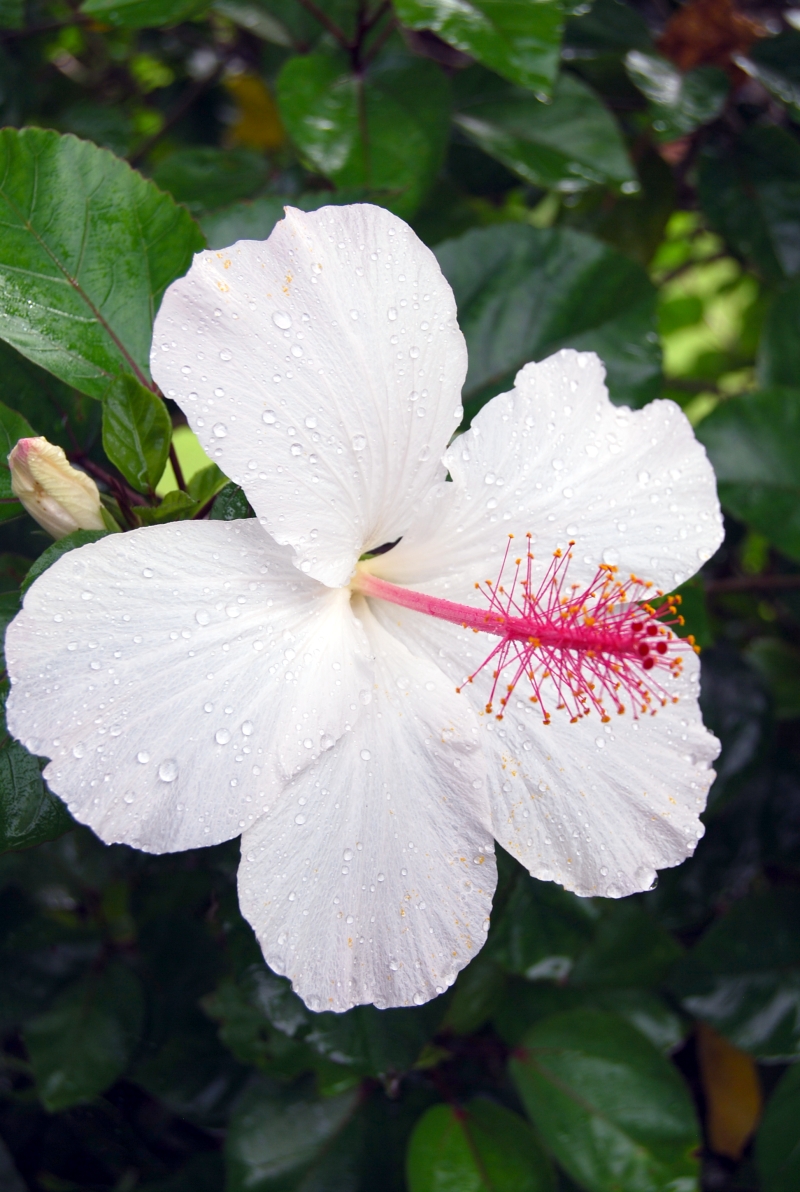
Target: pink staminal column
[(585, 648)]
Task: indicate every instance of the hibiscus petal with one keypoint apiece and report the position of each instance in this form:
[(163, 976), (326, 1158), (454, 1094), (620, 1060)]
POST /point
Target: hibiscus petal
[(598, 808), (177, 676), (554, 458), (322, 371), (371, 879)]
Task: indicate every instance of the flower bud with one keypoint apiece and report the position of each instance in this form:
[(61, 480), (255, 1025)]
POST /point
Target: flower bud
[(58, 496)]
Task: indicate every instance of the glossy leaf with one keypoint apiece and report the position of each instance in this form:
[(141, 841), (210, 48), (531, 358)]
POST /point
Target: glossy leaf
[(753, 442), (775, 62), (779, 348), (566, 144), (679, 103), (629, 949), (743, 977), (607, 27), (58, 412), (483, 1148), (205, 178), (541, 930), (87, 247), (751, 196), (778, 1140), (231, 504), (385, 133), (136, 432), (137, 14), (83, 1044), (607, 1104), (275, 1139), (519, 40), (524, 292)]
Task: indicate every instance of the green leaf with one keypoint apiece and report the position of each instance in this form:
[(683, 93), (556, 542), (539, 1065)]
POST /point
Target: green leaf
[(779, 348), (139, 14), (610, 1107), (87, 248), (231, 504), (679, 103), (775, 62), (58, 412), (29, 814), (136, 432), (13, 427), (176, 506), (12, 14), (629, 948), (778, 1138), (56, 549), (751, 195), (254, 19), (518, 39), (743, 977), (375, 1042), (566, 144), (753, 441), (255, 220), (524, 292), (274, 1140), (385, 131), (541, 929), (484, 1148), (608, 27), (204, 178), (206, 483), (778, 663), (83, 1044)]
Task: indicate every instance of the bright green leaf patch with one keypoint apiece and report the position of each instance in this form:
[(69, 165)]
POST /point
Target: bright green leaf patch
[(519, 39), (607, 1104), (68, 212), (483, 1148)]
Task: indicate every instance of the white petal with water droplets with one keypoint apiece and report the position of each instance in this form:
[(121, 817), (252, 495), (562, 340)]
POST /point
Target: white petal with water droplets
[(371, 879), (598, 808), (177, 676), (554, 458), (325, 372)]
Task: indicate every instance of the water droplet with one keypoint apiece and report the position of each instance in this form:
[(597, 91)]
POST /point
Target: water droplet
[(299, 819), (296, 449), (269, 417), (208, 707), (143, 757), (129, 796), (202, 617), (327, 742), (311, 422), (168, 770), (222, 736), (282, 320), (391, 314), (86, 595), (381, 877), (599, 742), (308, 743), (365, 755), (643, 477), (489, 478), (347, 855), (225, 355), (247, 728), (78, 750), (394, 965), (359, 442), (220, 430), (413, 353), (419, 999), (611, 556)]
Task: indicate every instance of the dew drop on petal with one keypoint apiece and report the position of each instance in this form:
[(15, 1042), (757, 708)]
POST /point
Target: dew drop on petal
[(359, 442), (143, 757), (220, 430), (202, 617), (78, 750), (168, 770), (222, 736), (247, 728), (311, 422), (391, 314), (281, 319), (365, 755), (381, 877), (269, 417), (611, 556)]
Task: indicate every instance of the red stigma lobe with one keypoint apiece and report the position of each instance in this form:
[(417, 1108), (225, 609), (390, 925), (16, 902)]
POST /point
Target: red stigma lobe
[(599, 647)]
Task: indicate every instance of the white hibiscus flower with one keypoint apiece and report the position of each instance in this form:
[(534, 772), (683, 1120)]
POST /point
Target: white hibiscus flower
[(196, 681)]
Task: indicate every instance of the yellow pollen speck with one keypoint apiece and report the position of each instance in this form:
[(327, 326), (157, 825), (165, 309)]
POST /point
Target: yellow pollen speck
[(223, 285)]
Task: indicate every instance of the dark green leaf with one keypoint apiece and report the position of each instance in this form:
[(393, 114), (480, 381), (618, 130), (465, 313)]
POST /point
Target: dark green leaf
[(57, 549), (83, 1044), (231, 504), (519, 40), (254, 18), (679, 103), (61, 414), (29, 814), (478, 991), (629, 949), (138, 14), (385, 132), (736, 709), (176, 506), (255, 220), (12, 14), (778, 1139), (567, 143), (608, 27), (375, 1042), (541, 930), (744, 976), (205, 483), (522, 293), (87, 247), (779, 350), (778, 663), (609, 1106), (775, 61), (13, 427), (275, 1139), (483, 1148), (136, 432), (751, 195), (205, 178), (753, 442)]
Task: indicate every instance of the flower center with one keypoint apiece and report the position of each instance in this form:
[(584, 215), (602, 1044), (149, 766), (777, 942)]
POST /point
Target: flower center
[(583, 648)]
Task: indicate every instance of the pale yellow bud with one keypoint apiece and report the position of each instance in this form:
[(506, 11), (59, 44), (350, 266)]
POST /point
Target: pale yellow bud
[(61, 498)]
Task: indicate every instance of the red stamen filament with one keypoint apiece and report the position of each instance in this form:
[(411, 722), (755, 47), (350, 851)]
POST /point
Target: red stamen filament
[(597, 646)]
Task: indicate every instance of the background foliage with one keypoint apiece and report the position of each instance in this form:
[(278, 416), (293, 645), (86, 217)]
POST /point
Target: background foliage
[(620, 176)]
